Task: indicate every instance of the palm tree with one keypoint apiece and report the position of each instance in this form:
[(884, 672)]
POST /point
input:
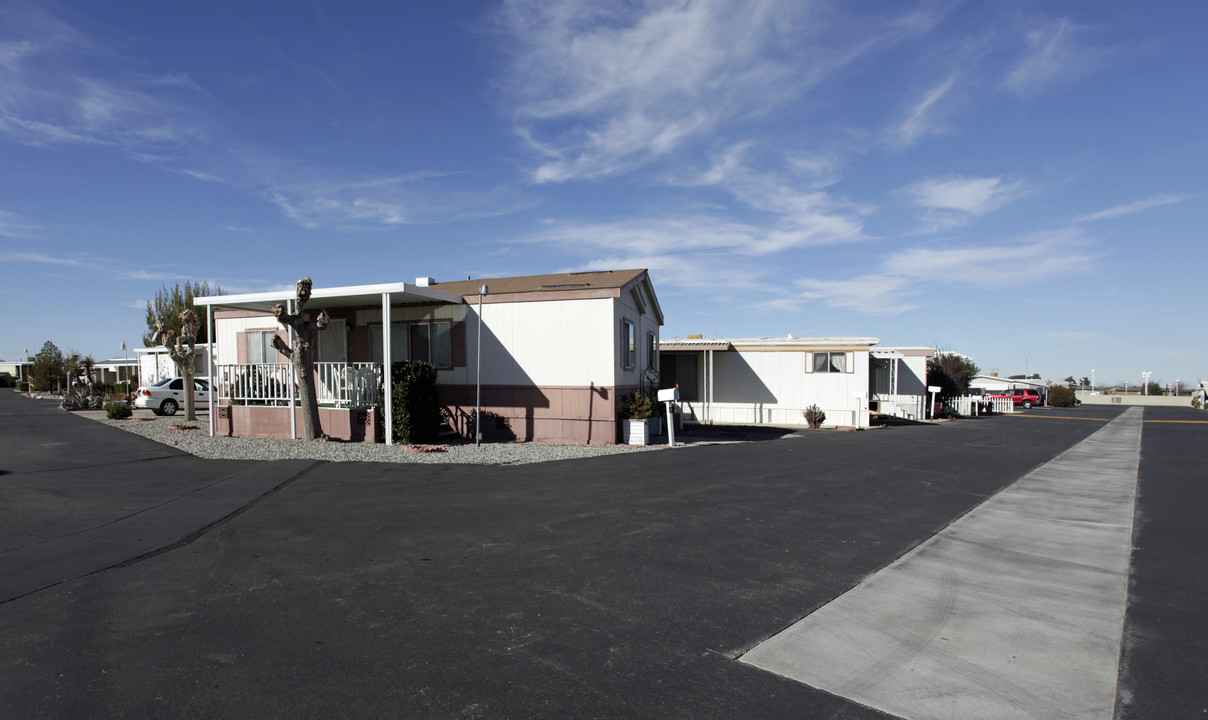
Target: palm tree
[(71, 366), (86, 364)]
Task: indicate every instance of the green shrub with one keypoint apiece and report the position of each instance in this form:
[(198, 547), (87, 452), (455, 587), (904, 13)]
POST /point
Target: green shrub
[(814, 417), (118, 411), (636, 406), (1061, 396), (7, 381), (417, 411)]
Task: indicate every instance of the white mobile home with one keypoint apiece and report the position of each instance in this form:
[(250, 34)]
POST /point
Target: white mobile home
[(154, 364), (769, 380), (556, 352)]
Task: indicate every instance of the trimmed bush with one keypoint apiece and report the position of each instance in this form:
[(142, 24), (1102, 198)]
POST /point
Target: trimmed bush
[(118, 411), (417, 412), (814, 417), (1061, 396)]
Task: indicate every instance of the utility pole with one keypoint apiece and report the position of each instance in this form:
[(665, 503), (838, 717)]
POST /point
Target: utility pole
[(482, 290)]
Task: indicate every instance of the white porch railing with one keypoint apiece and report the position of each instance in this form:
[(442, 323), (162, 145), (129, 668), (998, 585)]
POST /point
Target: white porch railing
[(336, 384)]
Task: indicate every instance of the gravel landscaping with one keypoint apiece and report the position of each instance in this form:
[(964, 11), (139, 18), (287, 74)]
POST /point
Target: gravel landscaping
[(198, 442)]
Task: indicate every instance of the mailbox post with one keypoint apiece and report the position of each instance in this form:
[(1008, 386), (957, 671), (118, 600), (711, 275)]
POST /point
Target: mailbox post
[(933, 390), (669, 396)]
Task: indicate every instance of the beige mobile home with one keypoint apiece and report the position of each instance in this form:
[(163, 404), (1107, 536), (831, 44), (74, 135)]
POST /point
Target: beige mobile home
[(556, 352)]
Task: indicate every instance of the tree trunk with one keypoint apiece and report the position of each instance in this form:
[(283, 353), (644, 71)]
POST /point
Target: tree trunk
[(304, 371), (306, 334), (190, 402)]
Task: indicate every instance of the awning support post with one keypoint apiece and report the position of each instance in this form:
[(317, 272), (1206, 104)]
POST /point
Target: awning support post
[(210, 355), (387, 361)]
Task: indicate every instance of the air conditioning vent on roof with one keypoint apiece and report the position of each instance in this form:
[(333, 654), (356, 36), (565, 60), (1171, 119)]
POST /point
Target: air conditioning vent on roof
[(424, 281)]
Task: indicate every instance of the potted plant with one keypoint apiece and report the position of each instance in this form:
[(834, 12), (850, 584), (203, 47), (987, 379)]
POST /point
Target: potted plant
[(636, 411)]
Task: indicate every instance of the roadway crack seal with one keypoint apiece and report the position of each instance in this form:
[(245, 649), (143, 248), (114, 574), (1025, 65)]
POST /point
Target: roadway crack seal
[(169, 546), (204, 529)]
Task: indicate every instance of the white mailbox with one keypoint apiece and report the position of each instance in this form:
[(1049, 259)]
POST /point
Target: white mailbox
[(669, 394)]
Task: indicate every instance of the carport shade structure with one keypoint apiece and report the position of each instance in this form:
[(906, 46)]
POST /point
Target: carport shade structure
[(389, 295)]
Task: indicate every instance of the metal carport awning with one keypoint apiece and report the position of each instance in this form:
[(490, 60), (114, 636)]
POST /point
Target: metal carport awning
[(706, 348), (388, 295), (894, 356)]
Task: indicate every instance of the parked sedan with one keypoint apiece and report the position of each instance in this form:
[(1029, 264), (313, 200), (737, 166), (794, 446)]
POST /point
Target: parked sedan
[(167, 396)]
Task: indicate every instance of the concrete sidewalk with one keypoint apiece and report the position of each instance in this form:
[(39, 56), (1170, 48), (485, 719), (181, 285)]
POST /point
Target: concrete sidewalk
[(1014, 611)]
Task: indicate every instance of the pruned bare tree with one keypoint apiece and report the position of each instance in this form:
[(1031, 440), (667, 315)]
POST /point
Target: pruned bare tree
[(301, 356), (183, 351)]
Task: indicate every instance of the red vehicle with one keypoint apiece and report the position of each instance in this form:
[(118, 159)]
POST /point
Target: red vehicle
[(1020, 397)]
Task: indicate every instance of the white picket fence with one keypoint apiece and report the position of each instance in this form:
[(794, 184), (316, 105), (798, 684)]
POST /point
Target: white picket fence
[(973, 405)]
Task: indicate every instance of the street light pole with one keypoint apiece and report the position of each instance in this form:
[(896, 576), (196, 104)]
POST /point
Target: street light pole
[(482, 290)]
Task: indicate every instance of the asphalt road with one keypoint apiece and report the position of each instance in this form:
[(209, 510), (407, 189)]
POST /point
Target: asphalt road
[(612, 587)]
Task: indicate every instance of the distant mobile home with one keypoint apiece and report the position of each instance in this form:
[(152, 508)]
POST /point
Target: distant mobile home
[(557, 351), (769, 380), (773, 380)]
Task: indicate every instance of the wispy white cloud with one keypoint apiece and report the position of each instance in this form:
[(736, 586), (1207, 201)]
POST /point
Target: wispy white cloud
[(1045, 255), (903, 277), (1054, 54), (1134, 207), (923, 118), (865, 294), (602, 88), (16, 227), (41, 259), (956, 200), (385, 202), (60, 86)]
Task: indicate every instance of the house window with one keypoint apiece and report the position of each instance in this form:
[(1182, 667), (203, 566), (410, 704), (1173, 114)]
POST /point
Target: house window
[(835, 362), (628, 345), (260, 346), (430, 342), (652, 351)]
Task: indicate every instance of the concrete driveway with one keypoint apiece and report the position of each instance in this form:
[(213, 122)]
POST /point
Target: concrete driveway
[(625, 586)]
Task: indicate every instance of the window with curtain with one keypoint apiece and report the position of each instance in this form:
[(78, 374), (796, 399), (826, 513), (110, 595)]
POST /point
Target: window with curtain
[(259, 346), (832, 362)]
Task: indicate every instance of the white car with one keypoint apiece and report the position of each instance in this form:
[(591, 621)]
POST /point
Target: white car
[(167, 396)]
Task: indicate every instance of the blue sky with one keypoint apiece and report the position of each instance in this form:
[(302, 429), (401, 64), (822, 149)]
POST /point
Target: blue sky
[(1020, 182)]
